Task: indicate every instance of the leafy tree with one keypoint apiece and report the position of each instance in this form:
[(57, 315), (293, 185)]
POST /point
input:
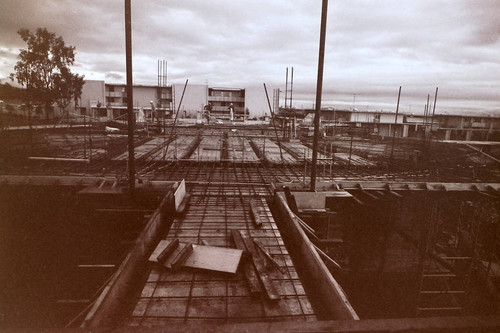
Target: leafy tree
[(43, 69), (10, 93)]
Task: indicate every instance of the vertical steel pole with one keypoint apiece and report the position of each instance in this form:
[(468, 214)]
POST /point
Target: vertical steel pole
[(319, 88), (286, 88), (130, 99), (350, 148), (426, 117), (395, 123), (432, 119), (274, 125)]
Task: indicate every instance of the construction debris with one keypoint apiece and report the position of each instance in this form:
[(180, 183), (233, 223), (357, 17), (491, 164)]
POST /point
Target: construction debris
[(174, 255)]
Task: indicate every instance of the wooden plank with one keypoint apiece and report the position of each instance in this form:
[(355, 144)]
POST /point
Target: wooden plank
[(203, 257), (182, 207), (181, 257), (248, 269), (158, 250), (268, 256), (255, 213), (264, 277), (214, 258), (169, 249), (179, 194)]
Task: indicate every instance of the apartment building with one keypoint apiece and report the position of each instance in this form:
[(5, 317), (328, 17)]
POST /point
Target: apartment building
[(108, 101), (465, 127), (227, 103)]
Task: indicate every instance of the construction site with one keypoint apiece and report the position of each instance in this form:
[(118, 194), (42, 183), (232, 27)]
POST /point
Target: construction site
[(228, 225), (383, 240)]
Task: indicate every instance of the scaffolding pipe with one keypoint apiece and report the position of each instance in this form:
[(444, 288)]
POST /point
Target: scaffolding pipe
[(319, 88), (130, 100)]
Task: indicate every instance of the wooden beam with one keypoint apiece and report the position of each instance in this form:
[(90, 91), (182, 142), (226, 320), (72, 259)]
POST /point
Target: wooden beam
[(264, 277), (58, 159), (261, 247), (248, 269), (182, 256), (255, 213), (162, 257)]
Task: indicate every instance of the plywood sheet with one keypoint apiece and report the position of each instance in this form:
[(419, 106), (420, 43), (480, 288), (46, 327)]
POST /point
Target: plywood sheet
[(179, 194), (214, 258)]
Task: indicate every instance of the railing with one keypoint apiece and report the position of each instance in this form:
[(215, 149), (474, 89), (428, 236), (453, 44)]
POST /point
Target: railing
[(116, 94), (226, 99)]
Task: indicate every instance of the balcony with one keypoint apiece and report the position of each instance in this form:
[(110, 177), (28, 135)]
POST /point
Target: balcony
[(478, 125), (116, 104), (166, 96), (116, 94), (226, 99), (225, 109)]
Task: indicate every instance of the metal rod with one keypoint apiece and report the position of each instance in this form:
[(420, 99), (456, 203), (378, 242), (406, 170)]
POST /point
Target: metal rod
[(130, 100), (350, 148), (286, 88), (433, 111), (395, 123), (426, 117), (319, 88), (274, 125), (175, 120)]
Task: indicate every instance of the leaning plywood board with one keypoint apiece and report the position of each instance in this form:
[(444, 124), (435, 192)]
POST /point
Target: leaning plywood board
[(214, 258), (179, 194)]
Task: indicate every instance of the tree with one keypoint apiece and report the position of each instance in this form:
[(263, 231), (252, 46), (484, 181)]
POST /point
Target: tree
[(69, 87), (43, 69)]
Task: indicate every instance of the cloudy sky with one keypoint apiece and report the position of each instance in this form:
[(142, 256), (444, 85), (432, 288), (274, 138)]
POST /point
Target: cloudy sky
[(372, 47)]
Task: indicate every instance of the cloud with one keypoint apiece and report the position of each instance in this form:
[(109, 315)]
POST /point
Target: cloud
[(372, 47)]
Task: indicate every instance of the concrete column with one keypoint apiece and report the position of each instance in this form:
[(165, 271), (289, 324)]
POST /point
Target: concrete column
[(468, 135), (405, 130), (447, 135)]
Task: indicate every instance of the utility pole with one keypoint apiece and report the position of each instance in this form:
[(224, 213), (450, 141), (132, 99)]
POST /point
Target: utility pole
[(319, 88), (130, 99)]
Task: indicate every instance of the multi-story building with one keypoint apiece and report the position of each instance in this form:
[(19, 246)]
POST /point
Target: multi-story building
[(466, 127), (227, 100), (106, 101)]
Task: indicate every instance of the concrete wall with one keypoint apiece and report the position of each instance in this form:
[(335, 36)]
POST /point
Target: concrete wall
[(106, 310), (327, 292), (144, 95), (362, 117), (194, 99), (92, 91)]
